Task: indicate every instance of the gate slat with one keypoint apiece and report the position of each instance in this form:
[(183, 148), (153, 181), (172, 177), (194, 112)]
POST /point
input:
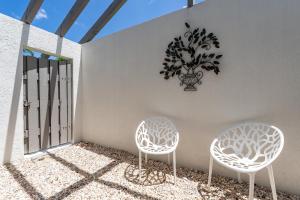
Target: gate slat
[(44, 103), (63, 102), (33, 102), (69, 78), (54, 99), (25, 108)]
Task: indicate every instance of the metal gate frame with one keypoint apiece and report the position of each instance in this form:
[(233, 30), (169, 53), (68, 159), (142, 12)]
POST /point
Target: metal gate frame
[(48, 99)]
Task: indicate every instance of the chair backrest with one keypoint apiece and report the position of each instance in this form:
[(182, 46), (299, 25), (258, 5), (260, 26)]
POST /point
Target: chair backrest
[(255, 142), (156, 131)]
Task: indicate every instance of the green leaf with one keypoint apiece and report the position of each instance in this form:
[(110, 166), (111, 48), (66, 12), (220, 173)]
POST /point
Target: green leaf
[(60, 59)]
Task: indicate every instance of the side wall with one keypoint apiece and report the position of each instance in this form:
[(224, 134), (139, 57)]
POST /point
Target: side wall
[(259, 80), (14, 36)]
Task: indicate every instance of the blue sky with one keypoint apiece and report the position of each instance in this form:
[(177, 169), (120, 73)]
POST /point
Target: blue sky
[(53, 12)]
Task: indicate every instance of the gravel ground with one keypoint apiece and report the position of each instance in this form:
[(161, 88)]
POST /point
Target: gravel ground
[(89, 171)]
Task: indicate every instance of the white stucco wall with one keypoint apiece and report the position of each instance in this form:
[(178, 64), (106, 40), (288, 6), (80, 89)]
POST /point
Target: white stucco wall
[(14, 36), (259, 80)]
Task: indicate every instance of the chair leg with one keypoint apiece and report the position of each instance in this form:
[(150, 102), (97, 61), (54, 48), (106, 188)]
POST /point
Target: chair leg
[(174, 166), (146, 159), (251, 186), (272, 181), (210, 170), (140, 163), (169, 162), (239, 177)]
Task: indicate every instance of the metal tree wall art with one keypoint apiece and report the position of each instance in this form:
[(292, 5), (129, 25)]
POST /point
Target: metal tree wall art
[(189, 56)]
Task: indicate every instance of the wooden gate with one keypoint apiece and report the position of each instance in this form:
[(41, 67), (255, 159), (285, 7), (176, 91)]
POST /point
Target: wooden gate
[(47, 103)]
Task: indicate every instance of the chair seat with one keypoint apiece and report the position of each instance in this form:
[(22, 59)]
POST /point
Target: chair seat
[(157, 149), (239, 163)]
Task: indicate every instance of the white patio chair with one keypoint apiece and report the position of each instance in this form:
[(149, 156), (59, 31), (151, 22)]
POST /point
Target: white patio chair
[(248, 148), (157, 135)]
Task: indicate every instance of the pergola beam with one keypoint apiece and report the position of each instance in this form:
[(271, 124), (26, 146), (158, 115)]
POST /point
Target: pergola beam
[(75, 11), (31, 10), (102, 20), (190, 3)]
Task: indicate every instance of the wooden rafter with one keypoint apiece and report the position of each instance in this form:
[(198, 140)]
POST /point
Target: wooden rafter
[(75, 11), (102, 20), (31, 10)]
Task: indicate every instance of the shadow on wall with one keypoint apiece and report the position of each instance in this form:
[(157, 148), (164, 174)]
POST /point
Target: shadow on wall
[(14, 106), (45, 140)]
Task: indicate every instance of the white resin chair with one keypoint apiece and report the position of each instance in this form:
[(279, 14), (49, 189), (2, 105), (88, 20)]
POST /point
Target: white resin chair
[(158, 136), (248, 148)]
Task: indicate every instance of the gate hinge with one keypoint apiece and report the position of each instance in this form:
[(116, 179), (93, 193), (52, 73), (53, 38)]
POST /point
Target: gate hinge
[(26, 133), (26, 103)]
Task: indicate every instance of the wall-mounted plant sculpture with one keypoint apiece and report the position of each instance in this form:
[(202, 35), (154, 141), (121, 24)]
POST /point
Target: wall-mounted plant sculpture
[(187, 57)]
